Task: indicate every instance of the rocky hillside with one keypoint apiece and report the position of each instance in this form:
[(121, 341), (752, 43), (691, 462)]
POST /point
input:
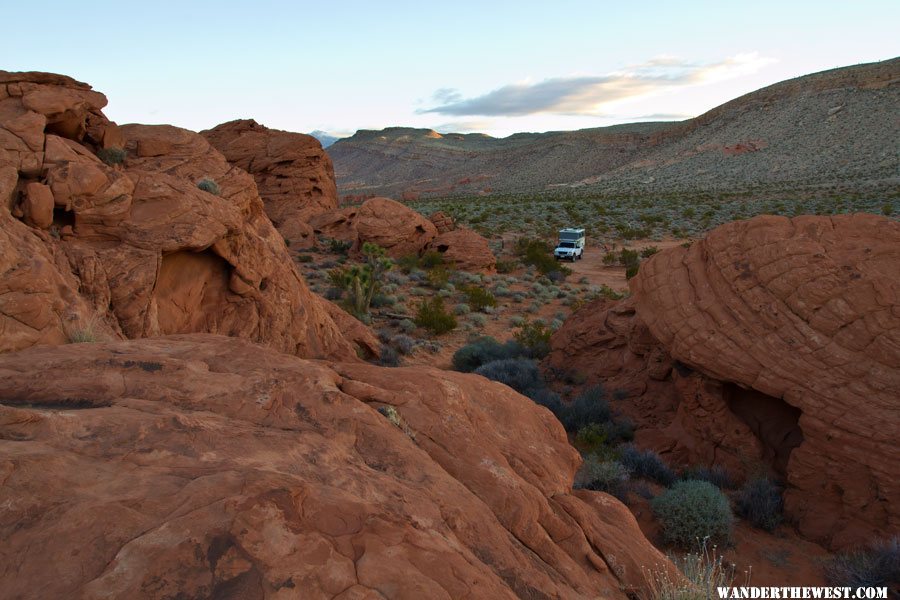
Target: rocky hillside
[(831, 129)]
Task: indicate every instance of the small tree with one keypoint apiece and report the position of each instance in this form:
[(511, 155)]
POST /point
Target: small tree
[(362, 282)]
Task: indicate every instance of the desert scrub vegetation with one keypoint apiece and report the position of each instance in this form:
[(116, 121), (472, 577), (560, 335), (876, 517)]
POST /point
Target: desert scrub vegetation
[(479, 298), (874, 566), (433, 316), (692, 511), (647, 464), (704, 571), (209, 185), (654, 215), (360, 283), (112, 156), (759, 502)]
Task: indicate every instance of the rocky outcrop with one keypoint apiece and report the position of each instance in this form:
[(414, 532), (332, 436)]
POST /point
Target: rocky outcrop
[(293, 173), (442, 222), (393, 226), (133, 247), (204, 466), (465, 249), (773, 342)]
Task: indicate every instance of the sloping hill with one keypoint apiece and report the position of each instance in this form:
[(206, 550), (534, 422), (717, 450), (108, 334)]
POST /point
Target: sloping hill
[(834, 128)]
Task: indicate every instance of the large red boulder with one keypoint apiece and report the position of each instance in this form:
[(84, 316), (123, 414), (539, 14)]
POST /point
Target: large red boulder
[(204, 466), (775, 342), (390, 224), (293, 173), (466, 249)]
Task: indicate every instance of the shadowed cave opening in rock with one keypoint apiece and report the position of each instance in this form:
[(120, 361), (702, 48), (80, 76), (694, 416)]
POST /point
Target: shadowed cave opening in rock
[(191, 291), (63, 217), (774, 422)]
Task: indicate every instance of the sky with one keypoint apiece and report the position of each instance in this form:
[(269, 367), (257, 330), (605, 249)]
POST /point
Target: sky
[(492, 67)]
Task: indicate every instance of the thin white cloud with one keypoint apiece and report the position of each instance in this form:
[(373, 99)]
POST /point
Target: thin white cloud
[(586, 95)]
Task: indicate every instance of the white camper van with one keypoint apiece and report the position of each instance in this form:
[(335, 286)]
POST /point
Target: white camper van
[(571, 244)]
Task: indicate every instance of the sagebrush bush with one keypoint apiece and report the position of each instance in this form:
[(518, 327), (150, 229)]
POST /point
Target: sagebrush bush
[(209, 185), (875, 566), (407, 326), (588, 407), (432, 316), (482, 351), (646, 464), (402, 343), (759, 502), (112, 156), (547, 398), (521, 374), (692, 511), (389, 357), (603, 476)]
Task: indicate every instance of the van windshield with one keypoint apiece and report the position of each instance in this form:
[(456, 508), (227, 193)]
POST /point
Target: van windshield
[(567, 244)]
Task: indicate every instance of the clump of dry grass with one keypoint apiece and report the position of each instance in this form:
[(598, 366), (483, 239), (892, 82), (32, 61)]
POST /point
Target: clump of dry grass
[(703, 571)]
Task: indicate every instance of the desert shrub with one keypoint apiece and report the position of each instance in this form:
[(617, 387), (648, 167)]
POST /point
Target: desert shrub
[(620, 430), (431, 259), (647, 464), (591, 437), (759, 501), (692, 511), (438, 277), (875, 566), (716, 475), (602, 475), (334, 293), (704, 572), (384, 335), (432, 316), (482, 351), (303, 258), (402, 343), (547, 398), (478, 320), (478, 297), (649, 251), (506, 266), (462, 309), (628, 257), (534, 337), (84, 332), (631, 271), (407, 326), (588, 407), (389, 357), (338, 246), (362, 282), (538, 254), (113, 156), (521, 374), (610, 258), (209, 185)]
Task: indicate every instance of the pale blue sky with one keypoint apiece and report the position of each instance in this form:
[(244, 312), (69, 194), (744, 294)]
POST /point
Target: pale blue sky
[(497, 67)]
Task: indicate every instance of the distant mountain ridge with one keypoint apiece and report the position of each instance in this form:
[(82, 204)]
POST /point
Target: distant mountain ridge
[(836, 127), (325, 138)]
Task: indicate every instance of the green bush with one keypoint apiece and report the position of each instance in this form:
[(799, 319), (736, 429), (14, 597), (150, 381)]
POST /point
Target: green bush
[(362, 282), (602, 475), (112, 156), (432, 316), (338, 246), (588, 407), (539, 254), (520, 374), (631, 271), (506, 266), (647, 464), (759, 501), (534, 337), (209, 185), (482, 351), (478, 297), (692, 511)]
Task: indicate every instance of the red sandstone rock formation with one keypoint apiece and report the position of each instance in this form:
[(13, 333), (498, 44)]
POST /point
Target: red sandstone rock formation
[(773, 341), (205, 466), (294, 175), (136, 249), (393, 226), (466, 249), (442, 221)]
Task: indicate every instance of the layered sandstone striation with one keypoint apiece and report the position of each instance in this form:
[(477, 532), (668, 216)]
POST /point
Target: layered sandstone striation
[(133, 247), (205, 466), (293, 173), (773, 342)]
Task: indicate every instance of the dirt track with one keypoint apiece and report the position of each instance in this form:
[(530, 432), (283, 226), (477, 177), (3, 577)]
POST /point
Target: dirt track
[(597, 273)]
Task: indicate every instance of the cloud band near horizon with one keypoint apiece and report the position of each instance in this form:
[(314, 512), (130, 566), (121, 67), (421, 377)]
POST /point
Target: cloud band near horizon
[(585, 95)]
